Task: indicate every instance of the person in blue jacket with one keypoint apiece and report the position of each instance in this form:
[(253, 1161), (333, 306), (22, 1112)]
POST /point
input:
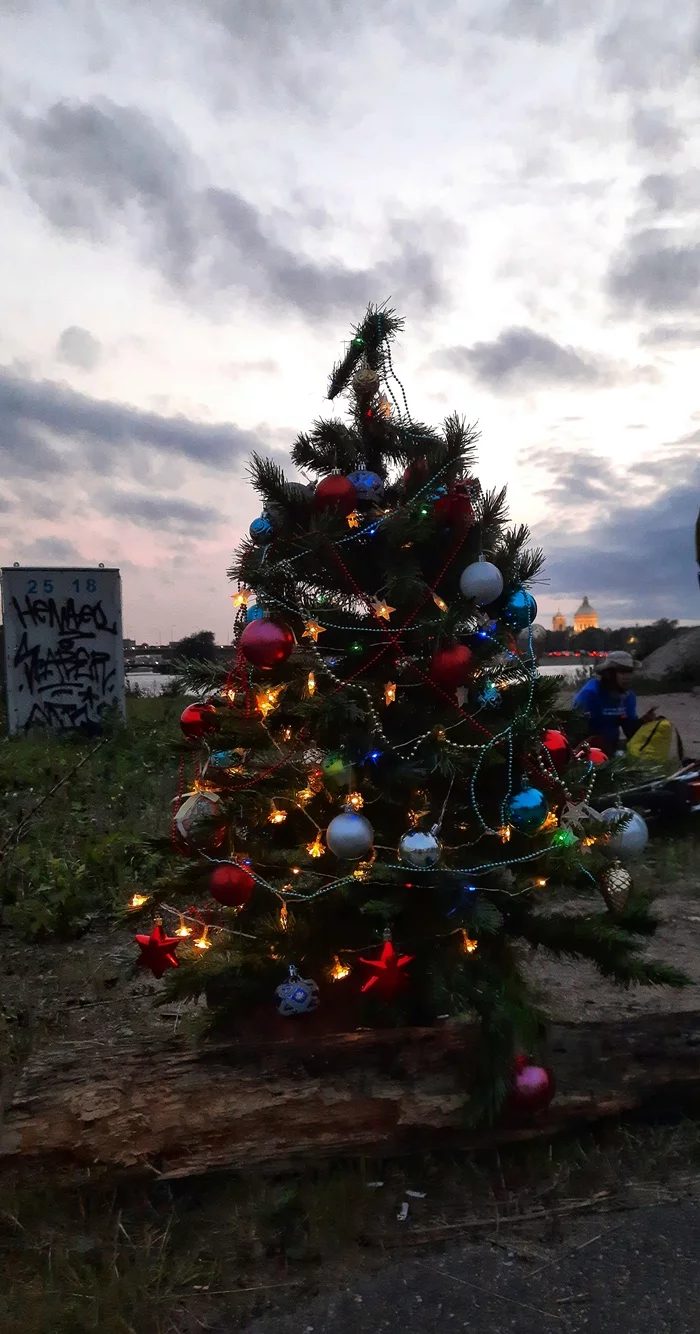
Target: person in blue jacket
[(609, 702)]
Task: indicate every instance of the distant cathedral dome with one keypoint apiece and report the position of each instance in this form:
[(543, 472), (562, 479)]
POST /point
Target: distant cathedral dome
[(585, 618)]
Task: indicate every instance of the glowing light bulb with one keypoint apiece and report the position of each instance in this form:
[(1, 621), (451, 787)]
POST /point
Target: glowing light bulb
[(389, 692), (283, 919), (204, 942), (439, 602), (469, 946), (240, 599), (183, 930), (277, 816), (311, 684), (338, 970), (551, 822), (268, 699), (286, 733), (305, 795), (353, 519), (138, 900), (504, 833), (312, 630), (356, 800), (541, 882), (295, 870), (382, 609), (315, 849)]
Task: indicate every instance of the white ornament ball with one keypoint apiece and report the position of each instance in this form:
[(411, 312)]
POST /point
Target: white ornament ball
[(195, 811), (420, 849), (632, 838), (481, 581), (349, 835)]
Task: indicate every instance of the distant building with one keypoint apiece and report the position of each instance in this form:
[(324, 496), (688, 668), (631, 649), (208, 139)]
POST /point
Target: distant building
[(129, 644), (559, 621), (585, 618)]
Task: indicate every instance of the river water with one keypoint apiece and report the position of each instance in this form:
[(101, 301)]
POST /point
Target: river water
[(152, 683)]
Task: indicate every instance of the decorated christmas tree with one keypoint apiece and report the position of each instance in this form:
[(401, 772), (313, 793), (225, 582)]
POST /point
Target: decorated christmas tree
[(378, 812)]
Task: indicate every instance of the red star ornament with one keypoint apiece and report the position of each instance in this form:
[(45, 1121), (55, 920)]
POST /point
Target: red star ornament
[(387, 975), (158, 950)]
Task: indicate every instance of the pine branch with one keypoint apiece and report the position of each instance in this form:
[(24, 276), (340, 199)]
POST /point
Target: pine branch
[(380, 325), (330, 446), (461, 439)]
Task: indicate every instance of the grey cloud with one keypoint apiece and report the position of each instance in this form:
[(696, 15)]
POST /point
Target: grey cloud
[(662, 190), (672, 335), (49, 548), (653, 130), (4, 505), (164, 512), (89, 166), (33, 412), (653, 49), (546, 21), (656, 272), (521, 358), (627, 518), (667, 190), (651, 506), (78, 347)]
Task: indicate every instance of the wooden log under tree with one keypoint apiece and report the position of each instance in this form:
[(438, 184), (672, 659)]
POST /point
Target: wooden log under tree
[(174, 1111)]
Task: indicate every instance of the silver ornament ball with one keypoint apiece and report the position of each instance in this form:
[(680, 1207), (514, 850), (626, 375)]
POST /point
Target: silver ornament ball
[(420, 848), (349, 835), (531, 639), (632, 839)]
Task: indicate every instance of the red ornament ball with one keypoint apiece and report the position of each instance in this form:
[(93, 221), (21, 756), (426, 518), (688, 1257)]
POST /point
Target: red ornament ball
[(231, 885), (456, 506), (335, 492), (592, 754), (533, 1087), (451, 667), (416, 473), (266, 643), (198, 719), (558, 747)]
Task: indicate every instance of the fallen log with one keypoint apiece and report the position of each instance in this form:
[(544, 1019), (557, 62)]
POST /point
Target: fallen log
[(177, 1111)]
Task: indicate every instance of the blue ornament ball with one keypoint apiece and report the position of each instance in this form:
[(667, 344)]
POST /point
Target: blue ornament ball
[(255, 613), (261, 529), (368, 485), (298, 995), (519, 609), (527, 810)]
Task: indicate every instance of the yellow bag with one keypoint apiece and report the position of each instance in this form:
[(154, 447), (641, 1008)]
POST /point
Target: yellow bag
[(656, 742)]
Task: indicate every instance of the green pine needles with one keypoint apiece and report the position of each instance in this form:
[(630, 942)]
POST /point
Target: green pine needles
[(394, 699)]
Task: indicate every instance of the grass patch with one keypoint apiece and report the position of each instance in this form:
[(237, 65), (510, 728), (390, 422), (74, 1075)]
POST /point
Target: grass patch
[(74, 860)]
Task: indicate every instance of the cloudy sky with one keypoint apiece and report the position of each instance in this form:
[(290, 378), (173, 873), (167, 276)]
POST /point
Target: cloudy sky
[(197, 199)]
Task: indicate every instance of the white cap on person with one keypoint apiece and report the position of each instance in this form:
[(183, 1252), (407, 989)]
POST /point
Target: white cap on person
[(615, 662)]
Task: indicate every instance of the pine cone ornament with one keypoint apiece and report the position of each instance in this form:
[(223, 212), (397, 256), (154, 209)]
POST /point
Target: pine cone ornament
[(616, 886)]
